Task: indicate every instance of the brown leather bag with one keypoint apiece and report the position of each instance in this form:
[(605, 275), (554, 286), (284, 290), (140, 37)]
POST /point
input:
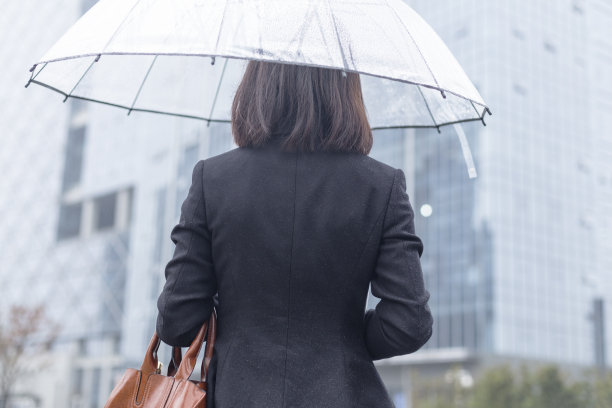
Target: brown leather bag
[(147, 387)]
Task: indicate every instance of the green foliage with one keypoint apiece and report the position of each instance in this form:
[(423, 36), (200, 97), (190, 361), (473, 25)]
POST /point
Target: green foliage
[(502, 387), (599, 391), (443, 392), (551, 390), (496, 389)]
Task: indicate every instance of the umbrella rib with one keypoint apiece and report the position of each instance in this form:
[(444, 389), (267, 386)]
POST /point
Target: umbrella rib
[(428, 109), (299, 37), (424, 126), (142, 84), (257, 7), (418, 49), (81, 78), (316, 15), (228, 55), (478, 114), (32, 76), (44, 85), (212, 108), (220, 27), (337, 36)]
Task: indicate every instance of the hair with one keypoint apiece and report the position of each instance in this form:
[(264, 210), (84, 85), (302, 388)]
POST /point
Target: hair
[(312, 108)]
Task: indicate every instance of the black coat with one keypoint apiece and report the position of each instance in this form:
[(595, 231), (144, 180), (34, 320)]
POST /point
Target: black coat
[(291, 241)]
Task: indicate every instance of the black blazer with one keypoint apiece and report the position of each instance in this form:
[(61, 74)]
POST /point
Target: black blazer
[(288, 244)]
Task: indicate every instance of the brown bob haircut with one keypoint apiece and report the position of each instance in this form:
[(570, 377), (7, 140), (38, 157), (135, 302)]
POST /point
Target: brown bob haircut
[(312, 108)]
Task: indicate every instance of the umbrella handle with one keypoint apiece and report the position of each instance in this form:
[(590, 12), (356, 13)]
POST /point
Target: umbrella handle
[(467, 153)]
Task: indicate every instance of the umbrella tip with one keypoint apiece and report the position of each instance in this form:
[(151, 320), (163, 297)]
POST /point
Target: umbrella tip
[(98, 58), (28, 84), (33, 68), (438, 128), (443, 93), (212, 60), (489, 111)]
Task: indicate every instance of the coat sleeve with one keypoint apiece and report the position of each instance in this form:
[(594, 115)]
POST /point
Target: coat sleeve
[(401, 322), (186, 300)]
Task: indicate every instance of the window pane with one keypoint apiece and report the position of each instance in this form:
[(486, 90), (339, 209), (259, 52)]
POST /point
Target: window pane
[(74, 157), (69, 224), (104, 209)]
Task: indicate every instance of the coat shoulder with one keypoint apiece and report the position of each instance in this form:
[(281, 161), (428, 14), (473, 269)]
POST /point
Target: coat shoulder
[(224, 157), (233, 158), (378, 166)]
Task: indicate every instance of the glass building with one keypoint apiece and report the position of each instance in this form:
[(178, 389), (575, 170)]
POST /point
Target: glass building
[(519, 256), (518, 261), (88, 198)]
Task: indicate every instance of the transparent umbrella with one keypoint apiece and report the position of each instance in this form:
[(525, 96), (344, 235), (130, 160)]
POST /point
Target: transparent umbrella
[(186, 58)]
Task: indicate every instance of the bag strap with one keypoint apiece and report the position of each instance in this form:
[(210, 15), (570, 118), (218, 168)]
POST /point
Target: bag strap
[(191, 355), (149, 365), (175, 361), (189, 359), (179, 367), (210, 343)]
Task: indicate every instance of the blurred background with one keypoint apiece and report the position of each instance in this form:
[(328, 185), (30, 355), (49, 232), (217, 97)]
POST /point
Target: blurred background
[(518, 261)]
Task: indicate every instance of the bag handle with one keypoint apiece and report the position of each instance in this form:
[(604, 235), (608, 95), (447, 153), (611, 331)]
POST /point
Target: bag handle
[(149, 365), (191, 355), (210, 343), (186, 364), (208, 352), (175, 361)]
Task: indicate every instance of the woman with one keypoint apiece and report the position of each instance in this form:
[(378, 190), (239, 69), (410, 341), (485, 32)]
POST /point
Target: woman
[(283, 235)]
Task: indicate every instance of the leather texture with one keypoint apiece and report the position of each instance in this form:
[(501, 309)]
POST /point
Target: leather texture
[(285, 245), (148, 388)]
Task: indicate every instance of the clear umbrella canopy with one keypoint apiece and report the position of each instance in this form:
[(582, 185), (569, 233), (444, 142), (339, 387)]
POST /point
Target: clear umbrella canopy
[(186, 57)]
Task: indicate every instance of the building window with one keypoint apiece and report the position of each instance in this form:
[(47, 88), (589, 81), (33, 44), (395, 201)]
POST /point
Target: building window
[(77, 382), (582, 167), (74, 157), (520, 90), (602, 180), (69, 224), (550, 47), (109, 211), (462, 33), (577, 8), (95, 388), (105, 211), (518, 34)]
